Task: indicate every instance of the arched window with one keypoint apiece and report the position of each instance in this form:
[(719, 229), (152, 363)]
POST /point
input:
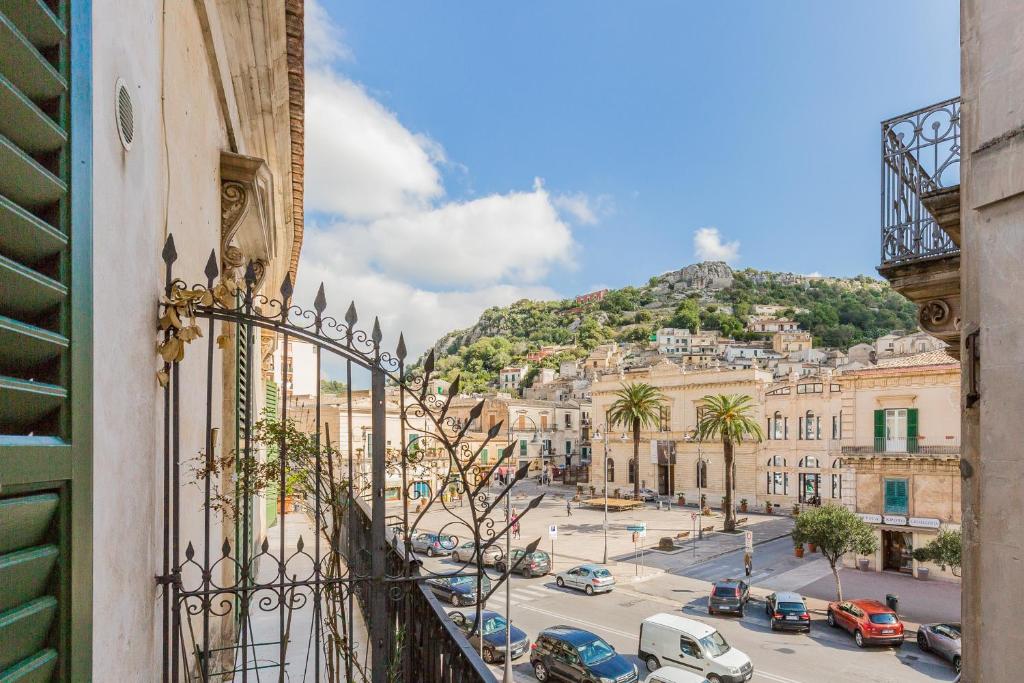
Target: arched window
[(777, 482), (632, 470), (809, 461), (702, 474), (611, 469), (777, 432), (837, 478)]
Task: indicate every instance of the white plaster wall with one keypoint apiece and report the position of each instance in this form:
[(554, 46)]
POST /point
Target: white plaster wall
[(130, 191)]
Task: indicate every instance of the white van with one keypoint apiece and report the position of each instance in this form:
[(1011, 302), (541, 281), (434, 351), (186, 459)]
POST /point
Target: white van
[(670, 640)]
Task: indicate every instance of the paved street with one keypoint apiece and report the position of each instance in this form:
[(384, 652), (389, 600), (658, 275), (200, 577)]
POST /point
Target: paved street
[(679, 581)]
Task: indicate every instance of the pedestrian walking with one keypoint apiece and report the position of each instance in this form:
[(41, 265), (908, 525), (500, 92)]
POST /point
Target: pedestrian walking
[(568, 508)]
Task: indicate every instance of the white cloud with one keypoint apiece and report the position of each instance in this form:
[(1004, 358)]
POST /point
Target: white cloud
[(708, 246), (381, 232)]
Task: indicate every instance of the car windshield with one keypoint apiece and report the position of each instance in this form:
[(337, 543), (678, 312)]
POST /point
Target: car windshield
[(883, 618), (714, 644), (595, 652), (491, 624), (792, 607), (726, 591), (539, 556), (602, 573)]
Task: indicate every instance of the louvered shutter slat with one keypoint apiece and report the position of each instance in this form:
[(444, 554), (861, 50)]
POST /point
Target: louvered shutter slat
[(29, 348), (25, 574), (25, 180), (25, 123), (25, 237), (38, 668), (25, 66), (35, 21)]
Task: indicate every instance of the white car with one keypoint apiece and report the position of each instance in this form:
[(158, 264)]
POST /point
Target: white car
[(589, 578), (646, 495), (674, 641), (667, 674)]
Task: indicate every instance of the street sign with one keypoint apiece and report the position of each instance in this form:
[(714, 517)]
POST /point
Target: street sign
[(640, 528), (693, 516), (552, 531), (748, 540)]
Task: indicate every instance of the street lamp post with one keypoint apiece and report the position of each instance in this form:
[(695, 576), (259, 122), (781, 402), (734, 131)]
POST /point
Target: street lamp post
[(603, 435), (693, 437), (507, 676)]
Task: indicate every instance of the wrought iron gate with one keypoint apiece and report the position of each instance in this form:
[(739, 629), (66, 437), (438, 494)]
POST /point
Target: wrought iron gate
[(332, 591)]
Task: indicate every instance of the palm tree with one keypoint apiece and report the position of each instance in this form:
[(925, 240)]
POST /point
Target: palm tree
[(728, 418), (636, 406)]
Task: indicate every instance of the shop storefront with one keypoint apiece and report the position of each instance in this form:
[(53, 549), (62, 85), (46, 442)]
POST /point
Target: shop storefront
[(897, 536)]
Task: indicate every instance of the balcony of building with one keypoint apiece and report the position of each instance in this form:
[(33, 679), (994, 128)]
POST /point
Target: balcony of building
[(920, 253), (904, 447)]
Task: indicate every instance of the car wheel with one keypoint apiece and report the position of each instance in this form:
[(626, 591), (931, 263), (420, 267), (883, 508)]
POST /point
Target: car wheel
[(455, 600), (560, 582), (589, 590), (712, 678), (455, 556), (956, 663), (652, 663), (528, 573), (489, 655), (710, 611), (500, 567), (540, 671), (831, 619), (922, 641), (430, 552), (772, 623), (858, 638)]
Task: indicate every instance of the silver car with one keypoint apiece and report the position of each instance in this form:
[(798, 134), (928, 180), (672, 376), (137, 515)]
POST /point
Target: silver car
[(433, 544), (941, 639), (589, 578), (467, 553)]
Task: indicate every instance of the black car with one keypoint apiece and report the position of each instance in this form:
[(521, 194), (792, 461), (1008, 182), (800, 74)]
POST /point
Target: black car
[(572, 654), (494, 635), (729, 595), (787, 612), (459, 590)]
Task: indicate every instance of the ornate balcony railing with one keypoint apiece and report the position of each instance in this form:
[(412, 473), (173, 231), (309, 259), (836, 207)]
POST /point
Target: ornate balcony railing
[(920, 157), (903, 446)]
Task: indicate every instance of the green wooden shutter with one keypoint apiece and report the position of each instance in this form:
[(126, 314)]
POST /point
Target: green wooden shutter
[(879, 431), (896, 498), (45, 456), (912, 430)]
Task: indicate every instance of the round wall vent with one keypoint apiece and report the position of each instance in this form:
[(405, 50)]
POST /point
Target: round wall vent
[(124, 114)]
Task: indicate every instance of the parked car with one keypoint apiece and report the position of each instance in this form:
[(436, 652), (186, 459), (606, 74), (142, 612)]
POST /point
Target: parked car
[(941, 639), (674, 641), (788, 612), (646, 495), (494, 626), (667, 674), (869, 621), (572, 654), (589, 578), (537, 564), (467, 553), (434, 544), (728, 595), (459, 590)]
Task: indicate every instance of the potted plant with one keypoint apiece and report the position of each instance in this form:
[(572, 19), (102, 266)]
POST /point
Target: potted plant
[(768, 508), (922, 573), (682, 500), (743, 504), (796, 509), (798, 549), (862, 564), (812, 547)]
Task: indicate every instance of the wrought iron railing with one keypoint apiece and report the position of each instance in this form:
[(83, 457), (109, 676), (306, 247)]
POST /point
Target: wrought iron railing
[(920, 156), (903, 445)]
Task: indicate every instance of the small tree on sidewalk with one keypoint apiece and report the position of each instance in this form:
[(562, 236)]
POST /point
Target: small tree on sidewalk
[(944, 551), (836, 531)]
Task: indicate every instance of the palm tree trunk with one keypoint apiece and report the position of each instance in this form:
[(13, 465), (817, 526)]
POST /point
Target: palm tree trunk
[(636, 459), (730, 511)]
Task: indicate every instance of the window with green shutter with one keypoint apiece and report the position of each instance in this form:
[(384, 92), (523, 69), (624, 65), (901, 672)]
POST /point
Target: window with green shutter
[(896, 497), (912, 430), (879, 431), (45, 351)]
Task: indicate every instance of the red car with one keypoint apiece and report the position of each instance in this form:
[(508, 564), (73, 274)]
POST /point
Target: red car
[(869, 621)]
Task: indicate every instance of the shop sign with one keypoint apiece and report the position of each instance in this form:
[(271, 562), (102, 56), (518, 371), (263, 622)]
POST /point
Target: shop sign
[(870, 519), (925, 522), (895, 520)]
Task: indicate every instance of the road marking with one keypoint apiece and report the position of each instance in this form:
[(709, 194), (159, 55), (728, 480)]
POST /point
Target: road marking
[(591, 624), (775, 677)]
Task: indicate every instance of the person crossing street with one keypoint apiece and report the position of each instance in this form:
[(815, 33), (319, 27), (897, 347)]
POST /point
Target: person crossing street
[(568, 508)]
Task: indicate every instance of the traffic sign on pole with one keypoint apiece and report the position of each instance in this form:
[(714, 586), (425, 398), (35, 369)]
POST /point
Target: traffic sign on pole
[(748, 540), (552, 531)]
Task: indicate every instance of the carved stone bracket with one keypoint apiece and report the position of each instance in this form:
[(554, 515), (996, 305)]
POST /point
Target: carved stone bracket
[(247, 213), (940, 317)]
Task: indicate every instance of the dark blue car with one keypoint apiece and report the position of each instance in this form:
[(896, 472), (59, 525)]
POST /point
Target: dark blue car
[(494, 635), (458, 590), (572, 654)]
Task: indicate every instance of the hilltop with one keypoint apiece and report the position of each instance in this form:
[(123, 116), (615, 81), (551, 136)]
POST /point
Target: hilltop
[(839, 312)]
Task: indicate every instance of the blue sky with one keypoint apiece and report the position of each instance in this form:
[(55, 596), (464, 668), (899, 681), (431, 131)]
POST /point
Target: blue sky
[(463, 154)]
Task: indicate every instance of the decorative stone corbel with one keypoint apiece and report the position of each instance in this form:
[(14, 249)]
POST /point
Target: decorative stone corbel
[(247, 214), (940, 317)]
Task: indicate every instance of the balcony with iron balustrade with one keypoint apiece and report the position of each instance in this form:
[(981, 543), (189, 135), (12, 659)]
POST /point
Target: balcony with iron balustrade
[(904, 447), (920, 239)]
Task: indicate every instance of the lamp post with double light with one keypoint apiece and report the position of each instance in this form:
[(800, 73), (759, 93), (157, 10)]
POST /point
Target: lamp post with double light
[(694, 437), (507, 676)]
